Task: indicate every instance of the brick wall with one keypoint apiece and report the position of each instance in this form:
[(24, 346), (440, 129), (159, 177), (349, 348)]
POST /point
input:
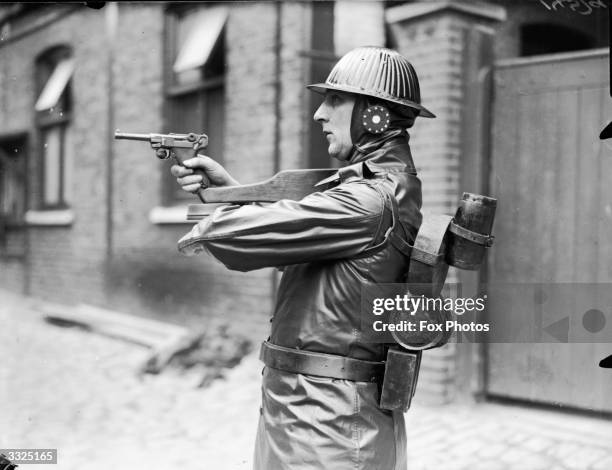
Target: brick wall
[(358, 24), (296, 21), (13, 251), (250, 91), (12, 274), (147, 273), (65, 261), (435, 47)]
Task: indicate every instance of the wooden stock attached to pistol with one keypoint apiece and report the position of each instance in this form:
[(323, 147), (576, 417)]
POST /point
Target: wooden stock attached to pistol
[(286, 184)]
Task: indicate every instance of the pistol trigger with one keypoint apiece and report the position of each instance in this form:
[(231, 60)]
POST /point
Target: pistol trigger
[(197, 148)]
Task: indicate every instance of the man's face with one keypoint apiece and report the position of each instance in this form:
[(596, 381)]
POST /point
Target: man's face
[(334, 114)]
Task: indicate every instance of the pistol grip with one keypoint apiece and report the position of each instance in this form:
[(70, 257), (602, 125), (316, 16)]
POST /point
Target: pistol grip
[(181, 154)]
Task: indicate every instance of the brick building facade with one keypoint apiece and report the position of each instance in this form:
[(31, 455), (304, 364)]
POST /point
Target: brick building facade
[(94, 220)]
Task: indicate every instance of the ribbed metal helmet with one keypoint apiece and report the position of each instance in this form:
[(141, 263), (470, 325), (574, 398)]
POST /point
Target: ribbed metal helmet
[(378, 72)]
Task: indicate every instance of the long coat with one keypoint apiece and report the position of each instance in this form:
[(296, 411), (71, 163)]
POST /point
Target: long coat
[(329, 244)]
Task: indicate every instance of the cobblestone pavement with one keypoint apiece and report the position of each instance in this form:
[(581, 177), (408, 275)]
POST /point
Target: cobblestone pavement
[(78, 392)]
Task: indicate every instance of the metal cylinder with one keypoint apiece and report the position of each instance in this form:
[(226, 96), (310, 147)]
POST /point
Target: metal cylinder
[(475, 214)]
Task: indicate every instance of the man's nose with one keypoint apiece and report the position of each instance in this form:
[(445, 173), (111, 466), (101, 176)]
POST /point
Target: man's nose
[(321, 114)]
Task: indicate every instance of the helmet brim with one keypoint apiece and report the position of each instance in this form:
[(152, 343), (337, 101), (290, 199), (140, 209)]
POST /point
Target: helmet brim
[(323, 87)]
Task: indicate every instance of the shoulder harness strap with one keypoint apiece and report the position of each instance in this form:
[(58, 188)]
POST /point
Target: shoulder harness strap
[(394, 233)]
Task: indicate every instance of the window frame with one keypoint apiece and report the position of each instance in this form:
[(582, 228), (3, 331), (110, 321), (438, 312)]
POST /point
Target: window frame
[(59, 117)]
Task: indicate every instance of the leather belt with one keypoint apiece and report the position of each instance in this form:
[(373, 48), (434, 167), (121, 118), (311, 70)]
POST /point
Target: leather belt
[(333, 366)]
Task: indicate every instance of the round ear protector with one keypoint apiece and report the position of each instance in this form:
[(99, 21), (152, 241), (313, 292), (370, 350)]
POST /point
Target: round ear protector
[(375, 119)]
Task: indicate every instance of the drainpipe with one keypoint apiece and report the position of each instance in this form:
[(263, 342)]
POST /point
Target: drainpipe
[(277, 109), (111, 18)]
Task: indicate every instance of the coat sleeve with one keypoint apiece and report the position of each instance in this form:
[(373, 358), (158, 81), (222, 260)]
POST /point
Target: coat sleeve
[(335, 224)]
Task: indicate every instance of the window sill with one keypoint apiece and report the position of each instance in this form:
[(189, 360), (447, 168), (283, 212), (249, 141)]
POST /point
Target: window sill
[(53, 218), (164, 215)]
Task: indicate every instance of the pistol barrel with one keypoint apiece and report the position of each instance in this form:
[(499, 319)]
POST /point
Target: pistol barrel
[(126, 136)]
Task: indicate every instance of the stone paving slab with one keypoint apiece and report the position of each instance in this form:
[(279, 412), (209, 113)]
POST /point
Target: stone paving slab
[(78, 392)]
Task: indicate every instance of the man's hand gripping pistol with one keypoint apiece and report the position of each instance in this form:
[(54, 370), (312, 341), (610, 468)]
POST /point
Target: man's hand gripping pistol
[(180, 147)]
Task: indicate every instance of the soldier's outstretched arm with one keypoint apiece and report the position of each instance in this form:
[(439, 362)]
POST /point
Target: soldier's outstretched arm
[(335, 224)]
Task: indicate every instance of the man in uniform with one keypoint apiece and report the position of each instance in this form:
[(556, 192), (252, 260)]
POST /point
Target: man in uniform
[(321, 383)]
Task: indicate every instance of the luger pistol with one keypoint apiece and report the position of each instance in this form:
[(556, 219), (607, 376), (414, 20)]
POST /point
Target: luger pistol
[(181, 147)]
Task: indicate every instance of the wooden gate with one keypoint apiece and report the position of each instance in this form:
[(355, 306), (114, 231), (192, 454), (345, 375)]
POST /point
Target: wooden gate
[(553, 178)]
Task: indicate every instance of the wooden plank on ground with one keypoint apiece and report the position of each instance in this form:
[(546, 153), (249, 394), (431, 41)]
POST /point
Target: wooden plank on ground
[(141, 331)]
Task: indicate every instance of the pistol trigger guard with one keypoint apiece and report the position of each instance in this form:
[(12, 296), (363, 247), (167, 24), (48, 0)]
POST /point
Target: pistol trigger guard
[(199, 146), (202, 142)]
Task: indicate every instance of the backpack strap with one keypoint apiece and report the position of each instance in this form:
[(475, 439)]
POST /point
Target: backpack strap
[(395, 234)]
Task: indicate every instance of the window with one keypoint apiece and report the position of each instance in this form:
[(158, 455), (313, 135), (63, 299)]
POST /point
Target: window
[(53, 108), (12, 180), (195, 79), (12, 194)]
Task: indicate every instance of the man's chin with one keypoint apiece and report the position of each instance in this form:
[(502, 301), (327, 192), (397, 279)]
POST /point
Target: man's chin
[(342, 156)]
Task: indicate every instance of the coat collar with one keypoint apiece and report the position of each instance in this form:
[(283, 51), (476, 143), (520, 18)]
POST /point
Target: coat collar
[(392, 156)]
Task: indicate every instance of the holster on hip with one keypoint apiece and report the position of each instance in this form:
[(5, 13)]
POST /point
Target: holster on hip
[(400, 379)]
